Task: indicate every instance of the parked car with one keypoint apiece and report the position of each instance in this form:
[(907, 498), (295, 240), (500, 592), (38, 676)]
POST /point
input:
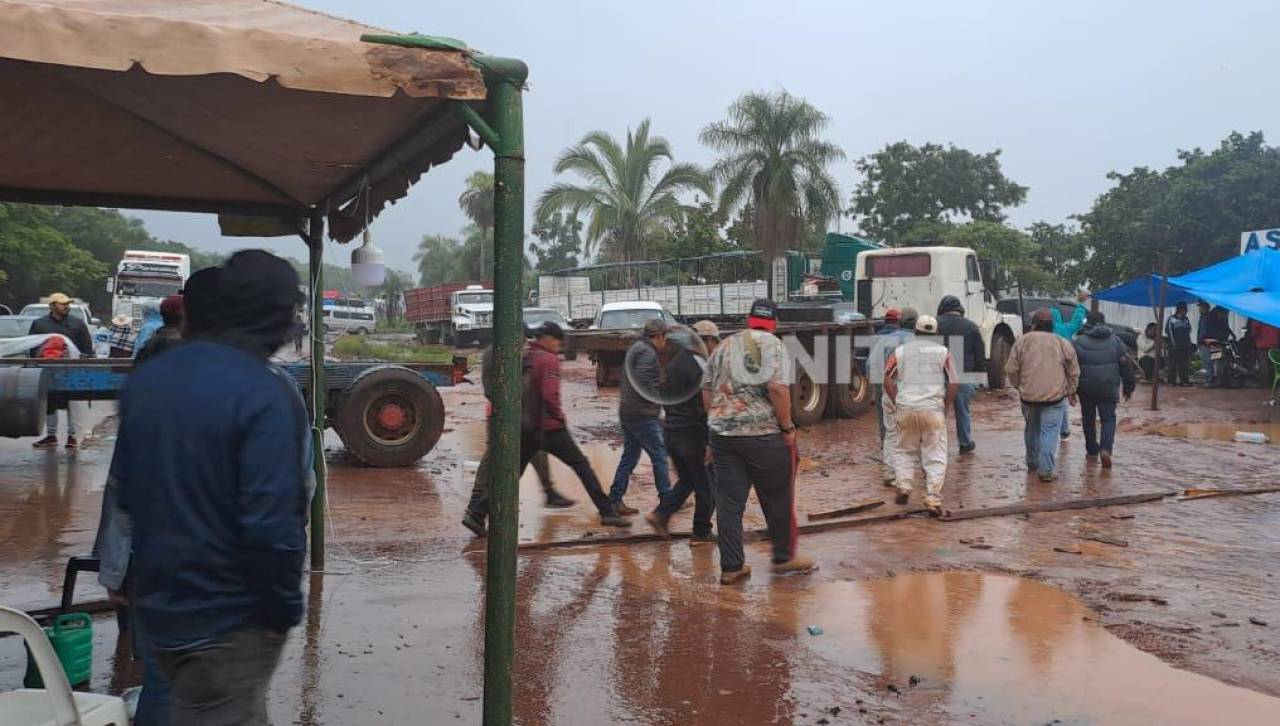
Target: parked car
[(629, 315), (13, 326), (534, 317), (1066, 308)]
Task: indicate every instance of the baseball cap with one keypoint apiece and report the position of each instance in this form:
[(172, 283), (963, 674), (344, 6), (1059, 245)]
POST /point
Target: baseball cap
[(58, 297), (892, 314), (927, 324), (121, 320), (1041, 316), (706, 329), (763, 315)]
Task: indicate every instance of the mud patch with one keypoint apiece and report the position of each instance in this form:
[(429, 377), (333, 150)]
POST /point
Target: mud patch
[(1009, 650), (1220, 431)]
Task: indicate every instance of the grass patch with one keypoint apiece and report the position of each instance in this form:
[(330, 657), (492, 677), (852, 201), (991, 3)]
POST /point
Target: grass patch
[(358, 347)]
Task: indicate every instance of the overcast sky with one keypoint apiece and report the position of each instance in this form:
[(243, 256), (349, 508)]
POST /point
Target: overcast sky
[(1069, 90)]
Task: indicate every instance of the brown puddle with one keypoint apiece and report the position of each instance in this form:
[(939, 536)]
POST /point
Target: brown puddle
[(1010, 650), (1220, 431)]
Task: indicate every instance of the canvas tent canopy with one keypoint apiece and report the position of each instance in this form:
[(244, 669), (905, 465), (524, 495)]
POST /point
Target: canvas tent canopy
[(241, 107), (1248, 285)]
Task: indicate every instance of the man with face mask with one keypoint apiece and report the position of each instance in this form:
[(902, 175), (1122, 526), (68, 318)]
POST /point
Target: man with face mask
[(209, 468)]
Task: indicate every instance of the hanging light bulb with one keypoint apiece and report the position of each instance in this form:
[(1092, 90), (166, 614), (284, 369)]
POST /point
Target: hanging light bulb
[(368, 264)]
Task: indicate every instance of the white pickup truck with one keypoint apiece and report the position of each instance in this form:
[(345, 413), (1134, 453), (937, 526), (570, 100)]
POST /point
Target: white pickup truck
[(920, 277)]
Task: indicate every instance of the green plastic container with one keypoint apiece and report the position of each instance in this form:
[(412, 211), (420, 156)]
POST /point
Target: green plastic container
[(72, 639)]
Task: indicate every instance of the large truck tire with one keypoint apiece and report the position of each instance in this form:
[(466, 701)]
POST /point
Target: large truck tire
[(24, 394), (847, 400), (808, 399), (608, 371), (570, 350), (389, 417), (1001, 344)]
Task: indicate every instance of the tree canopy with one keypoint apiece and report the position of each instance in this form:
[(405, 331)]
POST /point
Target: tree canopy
[(629, 204), (773, 157), (905, 187), (1187, 216), (559, 243)]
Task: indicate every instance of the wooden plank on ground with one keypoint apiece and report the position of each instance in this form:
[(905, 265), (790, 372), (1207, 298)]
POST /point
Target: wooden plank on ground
[(855, 509), (1035, 507), (1189, 494)]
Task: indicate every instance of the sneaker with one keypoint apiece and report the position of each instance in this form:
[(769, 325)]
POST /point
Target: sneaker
[(624, 510), (72, 444), (967, 448), (794, 566), (48, 442), (698, 540), (475, 523), (1047, 476), (733, 578), (933, 505), (556, 500), (1091, 457), (614, 520), (1032, 466), (1106, 459), (659, 524)]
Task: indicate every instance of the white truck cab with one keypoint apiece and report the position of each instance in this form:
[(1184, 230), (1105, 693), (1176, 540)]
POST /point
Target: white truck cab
[(472, 315), (920, 277)]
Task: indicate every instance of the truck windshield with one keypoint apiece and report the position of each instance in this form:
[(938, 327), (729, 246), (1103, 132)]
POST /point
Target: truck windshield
[(476, 298), (148, 287), (627, 319), (916, 265)]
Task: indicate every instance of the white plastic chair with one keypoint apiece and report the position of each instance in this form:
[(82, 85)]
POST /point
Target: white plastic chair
[(56, 704)]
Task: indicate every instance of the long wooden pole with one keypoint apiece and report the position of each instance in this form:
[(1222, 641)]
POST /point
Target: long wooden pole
[(315, 247)]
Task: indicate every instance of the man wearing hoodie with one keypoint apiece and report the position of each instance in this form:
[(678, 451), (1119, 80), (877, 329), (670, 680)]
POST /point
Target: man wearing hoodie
[(1104, 367), (209, 469), (1043, 367), (956, 329)]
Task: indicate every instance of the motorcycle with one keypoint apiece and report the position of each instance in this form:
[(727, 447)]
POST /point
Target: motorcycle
[(1231, 369)]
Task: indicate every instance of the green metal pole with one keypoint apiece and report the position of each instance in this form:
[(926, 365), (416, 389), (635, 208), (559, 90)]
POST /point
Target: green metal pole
[(315, 244), (505, 80)]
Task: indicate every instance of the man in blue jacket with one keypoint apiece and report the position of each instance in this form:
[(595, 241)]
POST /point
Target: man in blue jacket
[(1106, 373), (208, 463), (1067, 329)]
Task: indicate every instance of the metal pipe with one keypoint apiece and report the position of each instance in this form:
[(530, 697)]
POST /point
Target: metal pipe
[(505, 80), (315, 245)]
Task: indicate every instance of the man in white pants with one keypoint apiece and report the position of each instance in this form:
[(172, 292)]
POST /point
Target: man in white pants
[(921, 381), (886, 344)]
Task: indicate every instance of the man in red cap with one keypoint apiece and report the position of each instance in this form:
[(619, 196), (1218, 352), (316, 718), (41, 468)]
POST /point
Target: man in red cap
[(753, 442), (172, 312)]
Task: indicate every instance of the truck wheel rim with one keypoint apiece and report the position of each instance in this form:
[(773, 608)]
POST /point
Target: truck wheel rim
[(808, 392), (391, 419)]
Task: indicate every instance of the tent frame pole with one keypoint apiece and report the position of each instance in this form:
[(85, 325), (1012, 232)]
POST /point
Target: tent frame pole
[(504, 128), (315, 292)]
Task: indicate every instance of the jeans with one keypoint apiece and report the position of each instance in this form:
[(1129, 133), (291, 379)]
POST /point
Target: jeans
[(223, 683), (1065, 430), (1099, 408), (154, 705), (688, 451), (643, 434), (767, 464), (1043, 427), (1206, 364), (964, 422), (51, 423)]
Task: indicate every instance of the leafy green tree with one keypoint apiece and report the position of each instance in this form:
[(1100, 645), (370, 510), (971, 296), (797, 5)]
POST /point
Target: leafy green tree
[(38, 260), (438, 259), (697, 232), (1187, 216), (905, 186), (559, 243), (629, 203), (774, 158), (1060, 252)]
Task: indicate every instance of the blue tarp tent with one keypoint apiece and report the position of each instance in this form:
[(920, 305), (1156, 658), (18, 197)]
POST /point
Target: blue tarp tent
[(1248, 285)]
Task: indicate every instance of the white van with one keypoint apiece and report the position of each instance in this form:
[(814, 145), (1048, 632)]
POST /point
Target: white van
[(348, 315)]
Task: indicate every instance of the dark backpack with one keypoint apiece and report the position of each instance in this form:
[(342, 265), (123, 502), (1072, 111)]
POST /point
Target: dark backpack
[(532, 406)]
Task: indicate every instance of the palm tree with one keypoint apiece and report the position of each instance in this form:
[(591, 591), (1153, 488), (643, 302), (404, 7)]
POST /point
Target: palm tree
[(477, 203), (437, 259), (626, 204), (773, 158)]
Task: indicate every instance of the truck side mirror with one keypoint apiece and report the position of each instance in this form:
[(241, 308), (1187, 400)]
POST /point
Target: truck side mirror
[(990, 274), (111, 284)]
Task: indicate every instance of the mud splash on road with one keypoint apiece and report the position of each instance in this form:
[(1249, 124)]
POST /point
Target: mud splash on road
[(1010, 650)]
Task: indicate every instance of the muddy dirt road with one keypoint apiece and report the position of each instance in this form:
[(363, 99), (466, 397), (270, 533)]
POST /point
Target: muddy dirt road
[(1139, 614)]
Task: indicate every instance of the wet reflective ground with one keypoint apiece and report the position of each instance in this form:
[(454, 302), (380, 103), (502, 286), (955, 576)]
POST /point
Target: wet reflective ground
[(1079, 617)]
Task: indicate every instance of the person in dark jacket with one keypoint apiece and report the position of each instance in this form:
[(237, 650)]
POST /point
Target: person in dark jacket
[(953, 324), (1215, 325), (541, 380), (1177, 332), (638, 412), (1105, 372), (60, 321), (685, 434), (210, 469)]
